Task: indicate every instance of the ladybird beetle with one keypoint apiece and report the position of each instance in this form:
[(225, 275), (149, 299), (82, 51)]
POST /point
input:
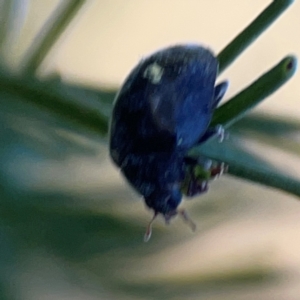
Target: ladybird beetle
[(163, 109)]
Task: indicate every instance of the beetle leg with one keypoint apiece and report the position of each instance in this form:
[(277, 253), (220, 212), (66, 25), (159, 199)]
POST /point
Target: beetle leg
[(220, 133), (187, 219), (198, 174), (148, 233), (218, 170), (214, 131), (220, 91)]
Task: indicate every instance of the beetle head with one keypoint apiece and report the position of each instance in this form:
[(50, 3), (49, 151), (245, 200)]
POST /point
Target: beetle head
[(166, 203)]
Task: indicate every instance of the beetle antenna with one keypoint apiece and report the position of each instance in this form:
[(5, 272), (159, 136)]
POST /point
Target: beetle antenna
[(148, 233), (186, 218)]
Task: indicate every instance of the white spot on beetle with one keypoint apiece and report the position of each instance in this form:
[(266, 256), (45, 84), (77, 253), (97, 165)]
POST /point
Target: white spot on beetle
[(154, 73), (180, 141)]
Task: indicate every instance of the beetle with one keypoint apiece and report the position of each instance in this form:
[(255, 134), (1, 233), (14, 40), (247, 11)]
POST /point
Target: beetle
[(163, 109)]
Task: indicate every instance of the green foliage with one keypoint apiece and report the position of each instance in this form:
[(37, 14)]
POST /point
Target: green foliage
[(48, 121)]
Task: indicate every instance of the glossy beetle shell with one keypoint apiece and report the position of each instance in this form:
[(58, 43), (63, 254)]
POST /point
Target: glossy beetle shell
[(162, 110)]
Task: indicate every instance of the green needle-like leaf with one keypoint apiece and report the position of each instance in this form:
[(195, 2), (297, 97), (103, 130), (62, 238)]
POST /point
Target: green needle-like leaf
[(247, 166), (49, 34), (235, 108), (51, 99), (264, 177), (251, 33)]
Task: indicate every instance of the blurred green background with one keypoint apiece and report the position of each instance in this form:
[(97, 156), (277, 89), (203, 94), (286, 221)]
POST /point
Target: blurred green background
[(71, 227)]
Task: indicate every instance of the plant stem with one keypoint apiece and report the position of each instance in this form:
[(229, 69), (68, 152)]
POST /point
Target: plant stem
[(243, 166), (235, 108), (12, 17), (272, 179), (49, 34), (251, 32)]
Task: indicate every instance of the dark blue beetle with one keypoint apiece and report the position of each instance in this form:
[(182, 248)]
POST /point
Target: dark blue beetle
[(162, 110)]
